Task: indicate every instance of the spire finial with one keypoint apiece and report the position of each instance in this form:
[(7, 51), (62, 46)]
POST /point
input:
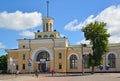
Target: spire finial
[(47, 8)]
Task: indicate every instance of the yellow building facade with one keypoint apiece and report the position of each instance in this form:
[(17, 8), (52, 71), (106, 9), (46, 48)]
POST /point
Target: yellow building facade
[(48, 51)]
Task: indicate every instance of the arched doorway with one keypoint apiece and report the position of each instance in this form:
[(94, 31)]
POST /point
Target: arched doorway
[(86, 60), (112, 60), (38, 56), (73, 62), (43, 57)]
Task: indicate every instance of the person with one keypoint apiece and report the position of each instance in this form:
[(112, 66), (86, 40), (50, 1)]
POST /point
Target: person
[(8, 71), (52, 72), (17, 72), (36, 73)]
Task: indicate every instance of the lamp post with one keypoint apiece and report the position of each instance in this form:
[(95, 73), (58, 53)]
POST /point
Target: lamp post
[(82, 45)]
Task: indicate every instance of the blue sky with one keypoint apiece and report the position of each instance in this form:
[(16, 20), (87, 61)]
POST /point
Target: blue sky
[(20, 18)]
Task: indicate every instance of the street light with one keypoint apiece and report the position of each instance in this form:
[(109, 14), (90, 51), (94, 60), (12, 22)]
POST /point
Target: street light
[(82, 45)]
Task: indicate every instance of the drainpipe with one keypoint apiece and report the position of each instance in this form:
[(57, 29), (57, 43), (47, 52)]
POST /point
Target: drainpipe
[(66, 59), (29, 59), (53, 52)]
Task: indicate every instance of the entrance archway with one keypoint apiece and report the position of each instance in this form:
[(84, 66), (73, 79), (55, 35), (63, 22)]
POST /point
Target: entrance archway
[(37, 51), (42, 58)]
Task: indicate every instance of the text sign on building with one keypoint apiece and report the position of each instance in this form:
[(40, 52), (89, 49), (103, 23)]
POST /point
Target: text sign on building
[(42, 60)]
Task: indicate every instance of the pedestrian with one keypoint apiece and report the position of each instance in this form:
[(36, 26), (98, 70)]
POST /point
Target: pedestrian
[(52, 72), (8, 71), (17, 72), (36, 73)]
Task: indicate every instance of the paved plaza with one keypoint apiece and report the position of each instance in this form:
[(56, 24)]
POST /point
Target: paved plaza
[(62, 77)]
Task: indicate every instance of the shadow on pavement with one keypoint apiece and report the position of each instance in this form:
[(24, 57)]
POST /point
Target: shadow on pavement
[(68, 75)]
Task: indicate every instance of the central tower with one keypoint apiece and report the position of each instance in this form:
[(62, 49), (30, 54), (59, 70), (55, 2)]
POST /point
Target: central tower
[(47, 24), (47, 27)]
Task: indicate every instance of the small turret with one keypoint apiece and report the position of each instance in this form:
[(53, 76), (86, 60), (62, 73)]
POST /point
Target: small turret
[(48, 24)]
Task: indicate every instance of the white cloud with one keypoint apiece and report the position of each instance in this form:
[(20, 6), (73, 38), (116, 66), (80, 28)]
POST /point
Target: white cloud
[(1, 45), (114, 39), (19, 20), (83, 42), (110, 15), (27, 33), (73, 25)]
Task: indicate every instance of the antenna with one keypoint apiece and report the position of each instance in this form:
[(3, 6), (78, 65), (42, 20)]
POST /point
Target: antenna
[(47, 8)]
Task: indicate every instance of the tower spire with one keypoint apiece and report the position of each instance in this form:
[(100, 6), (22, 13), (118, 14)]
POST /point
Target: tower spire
[(47, 21), (47, 8)]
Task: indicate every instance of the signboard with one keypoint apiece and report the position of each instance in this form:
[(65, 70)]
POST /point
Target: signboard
[(42, 60), (29, 59), (29, 64)]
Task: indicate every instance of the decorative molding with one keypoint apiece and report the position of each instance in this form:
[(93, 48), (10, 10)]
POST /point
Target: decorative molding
[(72, 54), (116, 55), (60, 48), (39, 41), (16, 50), (36, 52)]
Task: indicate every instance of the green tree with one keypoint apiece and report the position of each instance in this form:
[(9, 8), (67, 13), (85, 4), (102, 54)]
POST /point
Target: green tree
[(3, 62), (98, 36)]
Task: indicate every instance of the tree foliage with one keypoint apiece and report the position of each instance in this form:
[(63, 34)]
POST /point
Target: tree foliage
[(98, 36), (3, 62)]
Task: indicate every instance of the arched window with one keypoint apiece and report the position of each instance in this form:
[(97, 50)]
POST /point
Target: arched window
[(46, 26), (45, 36), (73, 62), (112, 60), (86, 59), (51, 35), (39, 36), (43, 56), (23, 57)]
